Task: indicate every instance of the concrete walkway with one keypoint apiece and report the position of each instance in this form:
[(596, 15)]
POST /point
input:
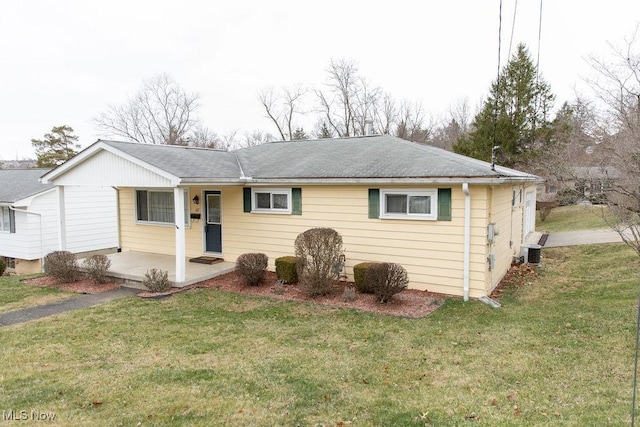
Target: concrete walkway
[(583, 237), (74, 303)]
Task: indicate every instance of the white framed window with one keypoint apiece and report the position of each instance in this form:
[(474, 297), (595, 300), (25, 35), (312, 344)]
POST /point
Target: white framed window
[(5, 219), (157, 207), (409, 204), (271, 200)]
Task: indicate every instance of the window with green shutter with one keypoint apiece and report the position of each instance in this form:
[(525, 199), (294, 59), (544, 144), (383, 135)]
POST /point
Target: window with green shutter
[(272, 200), (415, 203)]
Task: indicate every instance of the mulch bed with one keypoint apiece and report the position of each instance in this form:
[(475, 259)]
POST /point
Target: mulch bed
[(83, 286), (409, 303)]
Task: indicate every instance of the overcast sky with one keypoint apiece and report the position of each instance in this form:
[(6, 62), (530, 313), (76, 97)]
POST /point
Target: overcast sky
[(62, 62)]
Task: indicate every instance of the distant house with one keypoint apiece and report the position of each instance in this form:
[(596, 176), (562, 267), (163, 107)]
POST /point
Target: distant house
[(31, 214), (586, 182), (453, 222)]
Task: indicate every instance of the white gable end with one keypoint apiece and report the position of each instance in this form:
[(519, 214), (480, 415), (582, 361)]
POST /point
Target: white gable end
[(108, 169)]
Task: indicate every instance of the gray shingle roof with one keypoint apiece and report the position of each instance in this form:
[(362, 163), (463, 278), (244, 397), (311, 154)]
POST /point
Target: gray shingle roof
[(17, 184), (184, 162), (380, 156), (366, 157)]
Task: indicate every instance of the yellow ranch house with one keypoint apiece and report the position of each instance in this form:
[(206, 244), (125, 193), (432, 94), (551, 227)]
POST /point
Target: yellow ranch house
[(455, 223)]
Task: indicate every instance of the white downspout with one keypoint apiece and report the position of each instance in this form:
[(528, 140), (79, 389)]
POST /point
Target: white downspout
[(39, 215), (467, 240)]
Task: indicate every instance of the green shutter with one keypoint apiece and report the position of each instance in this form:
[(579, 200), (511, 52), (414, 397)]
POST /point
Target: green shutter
[(444, 204), (296, 201), (246, 193), (374, 203)]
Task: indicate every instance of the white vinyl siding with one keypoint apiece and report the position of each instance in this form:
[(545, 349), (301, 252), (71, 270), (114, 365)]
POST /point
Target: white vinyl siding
[(91, 223)]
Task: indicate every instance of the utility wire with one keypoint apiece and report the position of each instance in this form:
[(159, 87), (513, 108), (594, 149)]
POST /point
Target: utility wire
[(495, 108), (513, 28), (539, 39)]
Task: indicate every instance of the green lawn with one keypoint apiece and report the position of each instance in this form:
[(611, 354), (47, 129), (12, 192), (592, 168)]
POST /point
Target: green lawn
[(569, 218), (559, 352), (15, 295)]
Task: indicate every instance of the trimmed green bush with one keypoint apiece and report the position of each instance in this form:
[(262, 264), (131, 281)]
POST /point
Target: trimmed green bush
[(156, 280), (3, 266), (359, 275), (252, 267), (61, 265), (286, 269), (97, 267), (386, 279)]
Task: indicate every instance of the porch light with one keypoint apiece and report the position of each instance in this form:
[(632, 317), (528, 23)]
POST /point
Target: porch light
[(196, 199)]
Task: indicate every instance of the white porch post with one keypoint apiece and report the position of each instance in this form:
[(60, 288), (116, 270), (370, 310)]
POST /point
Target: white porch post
[(178, 198), (62, 220)]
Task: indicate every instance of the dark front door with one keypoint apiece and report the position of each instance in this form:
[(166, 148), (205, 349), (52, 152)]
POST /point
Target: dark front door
[(213, 221)]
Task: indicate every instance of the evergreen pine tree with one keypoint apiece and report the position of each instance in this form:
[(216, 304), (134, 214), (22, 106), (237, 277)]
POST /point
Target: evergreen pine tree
[(56, 147), (514, 116)]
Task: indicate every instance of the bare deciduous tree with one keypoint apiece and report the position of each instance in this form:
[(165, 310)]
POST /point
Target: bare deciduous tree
[(162, 112), (203, 137), (347, 101), (282, 107), (617, 86), (255, 137)]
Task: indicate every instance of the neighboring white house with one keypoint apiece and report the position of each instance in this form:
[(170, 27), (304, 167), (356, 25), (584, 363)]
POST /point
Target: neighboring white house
[(31, 227)]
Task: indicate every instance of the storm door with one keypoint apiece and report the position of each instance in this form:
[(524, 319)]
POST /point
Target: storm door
[(213, 221)]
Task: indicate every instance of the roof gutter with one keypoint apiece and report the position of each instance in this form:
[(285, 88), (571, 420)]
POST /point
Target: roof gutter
[(467, 241), (390, 181)]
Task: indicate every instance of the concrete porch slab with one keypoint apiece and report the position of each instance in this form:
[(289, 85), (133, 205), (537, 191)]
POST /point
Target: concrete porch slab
[(132, 265)]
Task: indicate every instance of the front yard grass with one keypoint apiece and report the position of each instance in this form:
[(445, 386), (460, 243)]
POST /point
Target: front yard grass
[(559, 352), (15, 295)]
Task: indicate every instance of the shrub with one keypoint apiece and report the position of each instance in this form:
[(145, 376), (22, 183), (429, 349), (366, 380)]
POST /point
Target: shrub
[(278, 288), (62, 266), (318, 251), (156, 280), (3, 266), (97, 267), (386, 279), (252, 267), (349, 294), (286, 269), (359, 274)]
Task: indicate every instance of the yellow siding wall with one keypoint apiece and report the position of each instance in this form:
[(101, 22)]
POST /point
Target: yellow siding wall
[(431, 251), (508, 217), (154, 238)]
